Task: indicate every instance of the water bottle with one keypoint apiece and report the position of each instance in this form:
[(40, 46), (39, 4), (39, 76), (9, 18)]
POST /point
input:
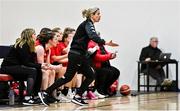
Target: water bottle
[(11, 97)]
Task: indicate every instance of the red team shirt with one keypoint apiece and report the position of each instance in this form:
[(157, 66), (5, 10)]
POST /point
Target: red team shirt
[(57, 51), (99, 58)]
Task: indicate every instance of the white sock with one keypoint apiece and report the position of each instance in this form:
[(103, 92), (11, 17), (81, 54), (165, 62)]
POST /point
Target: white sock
[(27, 97)]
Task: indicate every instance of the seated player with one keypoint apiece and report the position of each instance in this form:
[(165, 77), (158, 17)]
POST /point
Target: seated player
[(20, 63), (106, 74)]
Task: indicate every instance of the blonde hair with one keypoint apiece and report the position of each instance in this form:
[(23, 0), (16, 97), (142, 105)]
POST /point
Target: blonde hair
[(26, 37), (87, 12)]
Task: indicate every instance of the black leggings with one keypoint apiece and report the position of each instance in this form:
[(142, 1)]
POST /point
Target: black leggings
[(20, 72), (76, 62), (105, 76), (37, 83)]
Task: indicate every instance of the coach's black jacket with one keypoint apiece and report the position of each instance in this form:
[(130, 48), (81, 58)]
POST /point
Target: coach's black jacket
[(149, 52), (84, 33)]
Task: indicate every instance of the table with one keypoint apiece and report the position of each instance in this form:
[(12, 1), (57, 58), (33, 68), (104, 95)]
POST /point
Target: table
[(160, 62)]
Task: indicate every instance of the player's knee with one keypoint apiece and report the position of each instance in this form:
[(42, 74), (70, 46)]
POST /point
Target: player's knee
[(32, 73)]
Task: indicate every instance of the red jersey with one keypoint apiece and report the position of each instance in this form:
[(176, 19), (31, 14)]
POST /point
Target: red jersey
[(58, 50), (99, 58)]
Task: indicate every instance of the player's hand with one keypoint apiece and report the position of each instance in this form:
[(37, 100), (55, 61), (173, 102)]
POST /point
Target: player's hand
[(55, 67), (66, 50), (45, 66), (113, 55), (148, 59), (111, 43)]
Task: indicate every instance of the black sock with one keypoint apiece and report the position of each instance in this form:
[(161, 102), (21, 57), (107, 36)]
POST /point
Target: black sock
[(77, 89), (73, 89), (92, 88), (65, 91), (78, 92)]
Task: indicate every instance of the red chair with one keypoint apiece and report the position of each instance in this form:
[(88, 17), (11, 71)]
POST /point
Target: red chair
[(5, 77)]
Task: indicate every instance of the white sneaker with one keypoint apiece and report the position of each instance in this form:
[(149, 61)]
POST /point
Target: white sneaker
[(70, 94), (166, 82), (100, 96), (63, 98), (84, 95)]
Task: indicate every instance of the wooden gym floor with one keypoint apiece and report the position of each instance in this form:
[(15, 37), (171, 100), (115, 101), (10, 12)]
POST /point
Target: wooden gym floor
[(166, 101)]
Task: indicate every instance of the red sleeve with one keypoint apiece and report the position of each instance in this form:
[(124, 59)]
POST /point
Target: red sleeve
[(53, 51), (61, 47), (102, 57), (91, 44)]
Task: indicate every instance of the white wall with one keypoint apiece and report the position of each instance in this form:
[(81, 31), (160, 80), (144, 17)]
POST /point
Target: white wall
[(129, 22), (0, 21)]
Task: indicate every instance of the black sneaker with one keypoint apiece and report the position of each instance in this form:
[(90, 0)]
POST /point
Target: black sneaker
[(37, 101), (51, 99), (29, 102), (44, 98), (79, 101)]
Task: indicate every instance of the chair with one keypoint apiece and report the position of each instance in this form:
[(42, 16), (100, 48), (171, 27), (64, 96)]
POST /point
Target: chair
[(146, 78)]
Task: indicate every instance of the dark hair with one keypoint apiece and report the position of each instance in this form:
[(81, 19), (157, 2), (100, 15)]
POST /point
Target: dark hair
[(56, 29), (65, 35), (45, 30), (45, 35)]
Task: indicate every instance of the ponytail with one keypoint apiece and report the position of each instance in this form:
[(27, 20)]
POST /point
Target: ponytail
[(86, 13)]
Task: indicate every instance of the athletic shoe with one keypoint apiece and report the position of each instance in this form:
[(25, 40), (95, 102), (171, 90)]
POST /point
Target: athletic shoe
[(85, 97), (63, 98), (91, 95), (29, 101), (70, 94), (78, 101), (44, 98), (166, 82), (52, 100), (37, 101), (100, 96)]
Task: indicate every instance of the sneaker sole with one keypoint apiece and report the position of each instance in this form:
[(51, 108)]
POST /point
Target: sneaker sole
[(75, 102), (101, 97), (65, 101), (28, 104), (39, 94), (90, 98), (94, 98)]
